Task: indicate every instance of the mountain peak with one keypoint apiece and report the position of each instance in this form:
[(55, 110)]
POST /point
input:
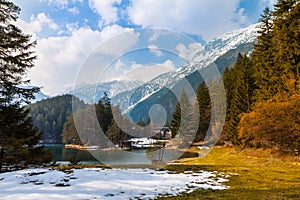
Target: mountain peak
[(91, 93), (212, 51), (230, 40)]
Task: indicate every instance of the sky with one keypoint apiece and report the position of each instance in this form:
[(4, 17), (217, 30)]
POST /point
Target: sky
[(138, 39)]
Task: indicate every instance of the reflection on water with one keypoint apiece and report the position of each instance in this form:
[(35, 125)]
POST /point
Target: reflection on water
[(66, 154), (114, 157)]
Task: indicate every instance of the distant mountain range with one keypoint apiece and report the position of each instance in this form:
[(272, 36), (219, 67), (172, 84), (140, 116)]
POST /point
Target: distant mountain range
[(222, 51), (40, 96), (91, 93), (136, 98)]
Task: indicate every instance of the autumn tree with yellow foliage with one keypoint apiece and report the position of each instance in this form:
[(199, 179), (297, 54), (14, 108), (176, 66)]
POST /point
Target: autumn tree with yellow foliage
[(273, 123)]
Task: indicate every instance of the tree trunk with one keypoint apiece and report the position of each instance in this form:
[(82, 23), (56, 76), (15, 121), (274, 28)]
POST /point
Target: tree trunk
[(1, 158)]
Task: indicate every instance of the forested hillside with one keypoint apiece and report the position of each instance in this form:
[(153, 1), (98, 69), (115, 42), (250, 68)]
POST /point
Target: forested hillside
[(107, 115), (273, 120), (50, 115), (262, 88)]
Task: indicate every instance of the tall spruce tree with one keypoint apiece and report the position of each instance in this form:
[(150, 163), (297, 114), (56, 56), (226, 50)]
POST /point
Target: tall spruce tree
[(287, 41), (104, 112), (117, 131), (176, 119), (189, 121), (69, 132), (204, 103), (184, 123), (18, 137), (276, 56), (268, 77), (241, 94)]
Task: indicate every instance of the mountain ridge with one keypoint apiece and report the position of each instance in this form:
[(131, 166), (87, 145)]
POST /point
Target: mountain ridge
[(91, 93), (211, 52), (130, 94)]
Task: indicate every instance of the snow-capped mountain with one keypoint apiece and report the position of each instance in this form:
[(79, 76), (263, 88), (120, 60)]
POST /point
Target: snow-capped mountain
[(219, 46), (91, 93), (222, 47), (40, 96)]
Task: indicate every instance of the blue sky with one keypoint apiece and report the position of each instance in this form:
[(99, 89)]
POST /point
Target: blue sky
[(67, 32)]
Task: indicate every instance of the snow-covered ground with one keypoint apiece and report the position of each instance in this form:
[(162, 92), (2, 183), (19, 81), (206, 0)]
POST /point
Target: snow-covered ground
[(96, 183)]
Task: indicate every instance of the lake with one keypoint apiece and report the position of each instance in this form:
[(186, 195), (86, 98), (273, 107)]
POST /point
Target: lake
[(115, 157)]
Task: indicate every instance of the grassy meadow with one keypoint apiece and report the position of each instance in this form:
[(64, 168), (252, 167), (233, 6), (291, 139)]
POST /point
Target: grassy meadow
[(254, 174)]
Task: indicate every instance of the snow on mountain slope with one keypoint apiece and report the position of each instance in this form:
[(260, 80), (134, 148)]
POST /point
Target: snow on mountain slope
[(91, 93), (212, 51), (218, 47), (38, 96)]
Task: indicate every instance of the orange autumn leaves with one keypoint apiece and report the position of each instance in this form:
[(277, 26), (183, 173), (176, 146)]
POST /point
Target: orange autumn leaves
[(273, 123)]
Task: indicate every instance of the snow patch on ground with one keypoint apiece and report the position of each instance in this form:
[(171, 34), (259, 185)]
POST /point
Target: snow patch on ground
[(97, 183)]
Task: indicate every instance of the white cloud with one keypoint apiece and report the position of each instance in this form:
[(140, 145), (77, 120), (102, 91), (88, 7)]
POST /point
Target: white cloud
[(37, 23), (158, 33), (119, 64), (188, 52), (118, 45), (74, 10), (240, 16), (72, 27), (270, 2), (205, 17), (154, 49), (106, 9), (59, 3), (146, 73), (61, 58)]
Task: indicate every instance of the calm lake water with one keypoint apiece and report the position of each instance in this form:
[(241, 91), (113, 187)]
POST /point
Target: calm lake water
[(114, 157)]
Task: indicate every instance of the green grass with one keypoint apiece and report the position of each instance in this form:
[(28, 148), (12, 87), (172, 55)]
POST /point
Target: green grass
[(262, 174)]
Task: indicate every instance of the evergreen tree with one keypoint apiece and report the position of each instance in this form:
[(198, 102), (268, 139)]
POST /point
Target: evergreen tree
[(176, 119), (18, 137), (104, 112), (268, 77), (86, 128), (228, 79), (241, 95), (287, 41), (69, 133), (276, 55), (117, 131), (204, 103), (184, 123), (123, 124), (188, 126), (114, 133), (244, 85)]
